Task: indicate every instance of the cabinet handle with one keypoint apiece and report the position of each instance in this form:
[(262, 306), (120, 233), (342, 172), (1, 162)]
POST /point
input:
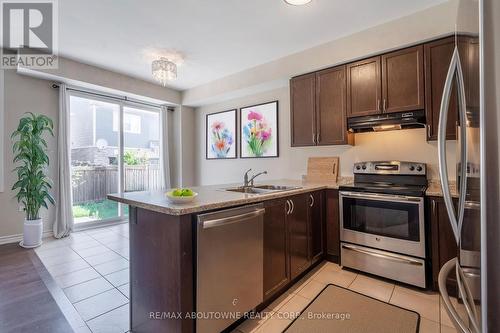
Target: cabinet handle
[(317, 138), (312, 200), (288, 207), (384, 107), (378, 104), (314, 138), (293, 206), (433, 207)]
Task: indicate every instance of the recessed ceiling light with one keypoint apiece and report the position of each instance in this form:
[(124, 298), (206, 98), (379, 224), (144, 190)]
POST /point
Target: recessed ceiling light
[(297, 2)]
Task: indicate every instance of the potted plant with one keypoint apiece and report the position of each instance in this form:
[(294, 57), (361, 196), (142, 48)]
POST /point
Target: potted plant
[(33, 185)]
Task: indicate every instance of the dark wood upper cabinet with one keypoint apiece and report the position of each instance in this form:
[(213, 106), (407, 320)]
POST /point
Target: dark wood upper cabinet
[(303, 110), (276, 271), (332, 225), (331, 107), (393, 82), (437, 61), (316, 224), (364, 88), (298, 232), (403, 80)]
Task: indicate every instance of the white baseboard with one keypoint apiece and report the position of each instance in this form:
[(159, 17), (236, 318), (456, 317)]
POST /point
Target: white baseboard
[(19, 237)]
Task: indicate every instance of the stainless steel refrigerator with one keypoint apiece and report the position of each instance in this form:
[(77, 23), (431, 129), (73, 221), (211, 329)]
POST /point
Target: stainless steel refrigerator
[(474, 214)]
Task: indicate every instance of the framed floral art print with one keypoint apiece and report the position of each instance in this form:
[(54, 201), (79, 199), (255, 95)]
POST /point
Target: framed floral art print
[(259, 130), (221, 135)]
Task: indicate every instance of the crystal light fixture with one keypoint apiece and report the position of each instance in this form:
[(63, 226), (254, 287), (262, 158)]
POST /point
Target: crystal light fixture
[(164, 70), (297, 2)]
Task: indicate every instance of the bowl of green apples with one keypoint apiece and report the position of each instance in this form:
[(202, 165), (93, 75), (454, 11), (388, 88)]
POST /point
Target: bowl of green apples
[(181, 195)]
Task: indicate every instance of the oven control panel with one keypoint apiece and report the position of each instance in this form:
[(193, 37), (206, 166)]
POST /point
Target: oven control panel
[(390, 168)]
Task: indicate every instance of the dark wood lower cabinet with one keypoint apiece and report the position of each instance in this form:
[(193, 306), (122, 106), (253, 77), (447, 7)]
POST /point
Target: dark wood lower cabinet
[(298, 234), (316, 225), (276, 270), (443, 246), (161, 270), (332, 225), (293, 239)]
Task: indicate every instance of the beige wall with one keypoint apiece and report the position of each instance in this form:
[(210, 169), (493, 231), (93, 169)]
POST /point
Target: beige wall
[(24, 94), (409, 145), (429, 23)]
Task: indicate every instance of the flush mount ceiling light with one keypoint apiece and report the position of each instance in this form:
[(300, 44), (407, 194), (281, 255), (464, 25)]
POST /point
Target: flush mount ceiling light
[(164, 70), (297, 2)]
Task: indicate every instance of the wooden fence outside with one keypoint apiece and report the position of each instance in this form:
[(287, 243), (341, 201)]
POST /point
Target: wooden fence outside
[(92, 183)]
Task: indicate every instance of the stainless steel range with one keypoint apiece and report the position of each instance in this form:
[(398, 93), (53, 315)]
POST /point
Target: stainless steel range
[(382, 220)]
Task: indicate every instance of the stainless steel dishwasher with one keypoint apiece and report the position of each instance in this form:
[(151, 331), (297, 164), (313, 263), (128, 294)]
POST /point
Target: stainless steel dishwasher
[(229, 277)]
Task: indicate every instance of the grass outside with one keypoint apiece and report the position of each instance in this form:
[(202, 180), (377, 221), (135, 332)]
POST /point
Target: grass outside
[(99, 210)]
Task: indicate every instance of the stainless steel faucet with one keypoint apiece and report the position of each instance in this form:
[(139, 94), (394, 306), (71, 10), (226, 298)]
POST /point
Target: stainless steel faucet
[(245, 178), (249, 182)]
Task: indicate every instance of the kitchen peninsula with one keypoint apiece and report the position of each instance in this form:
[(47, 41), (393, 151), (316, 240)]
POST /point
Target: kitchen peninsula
[(300, 229)]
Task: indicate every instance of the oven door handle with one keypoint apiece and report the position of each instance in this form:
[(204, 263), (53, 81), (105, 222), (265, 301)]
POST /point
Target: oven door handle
[(392, 257), (385, 197)]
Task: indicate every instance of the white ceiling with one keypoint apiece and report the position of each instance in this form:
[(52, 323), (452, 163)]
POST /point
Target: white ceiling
[(216, 37)]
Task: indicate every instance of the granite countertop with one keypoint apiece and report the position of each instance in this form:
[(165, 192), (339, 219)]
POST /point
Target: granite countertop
[(434, 188), (215, 197)]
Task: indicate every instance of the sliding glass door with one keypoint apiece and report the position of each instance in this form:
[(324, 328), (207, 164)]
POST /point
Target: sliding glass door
[(114, 147), (141, 150)]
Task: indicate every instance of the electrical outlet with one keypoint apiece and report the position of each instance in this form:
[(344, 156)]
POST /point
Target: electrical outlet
[(21, 209)]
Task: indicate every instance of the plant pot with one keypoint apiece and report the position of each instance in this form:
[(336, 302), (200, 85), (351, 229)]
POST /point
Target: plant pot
[(32, 233)]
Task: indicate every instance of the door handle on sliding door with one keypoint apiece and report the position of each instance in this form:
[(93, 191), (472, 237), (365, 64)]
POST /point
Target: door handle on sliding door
[(455, 70)]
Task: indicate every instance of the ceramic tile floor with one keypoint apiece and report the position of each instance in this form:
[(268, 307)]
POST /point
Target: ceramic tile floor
[(92, 269), (433, 318)]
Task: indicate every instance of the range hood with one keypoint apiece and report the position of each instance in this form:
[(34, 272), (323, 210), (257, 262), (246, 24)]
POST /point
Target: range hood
[(387, 122)]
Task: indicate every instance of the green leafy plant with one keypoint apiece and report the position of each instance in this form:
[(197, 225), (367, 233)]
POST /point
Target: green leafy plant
[(30, 150), (132, 158)]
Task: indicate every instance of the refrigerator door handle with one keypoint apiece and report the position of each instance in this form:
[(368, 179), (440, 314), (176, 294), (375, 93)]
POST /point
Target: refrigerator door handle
[(455, 70), (462, 104), (467, 298), (445, 271)]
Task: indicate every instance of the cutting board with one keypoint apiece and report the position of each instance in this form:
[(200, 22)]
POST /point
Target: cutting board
[(322, 169)]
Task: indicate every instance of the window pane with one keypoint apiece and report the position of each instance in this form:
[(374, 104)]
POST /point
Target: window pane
[(94, 158), (142, 149)]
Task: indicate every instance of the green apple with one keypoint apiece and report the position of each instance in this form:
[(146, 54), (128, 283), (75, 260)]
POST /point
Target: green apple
[(177, 192), (187, 192)]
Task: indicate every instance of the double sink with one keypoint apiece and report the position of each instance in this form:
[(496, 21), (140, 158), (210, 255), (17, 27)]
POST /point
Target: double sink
[(262, 189)]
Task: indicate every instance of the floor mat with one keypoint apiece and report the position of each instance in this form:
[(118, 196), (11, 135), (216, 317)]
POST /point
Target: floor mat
[(337, 309)]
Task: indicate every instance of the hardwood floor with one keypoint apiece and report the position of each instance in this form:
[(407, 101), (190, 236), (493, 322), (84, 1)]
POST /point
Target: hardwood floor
[(26, 304)]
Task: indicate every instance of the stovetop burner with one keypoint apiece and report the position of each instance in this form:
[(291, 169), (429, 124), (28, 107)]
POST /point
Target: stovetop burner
[(389, 177)]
